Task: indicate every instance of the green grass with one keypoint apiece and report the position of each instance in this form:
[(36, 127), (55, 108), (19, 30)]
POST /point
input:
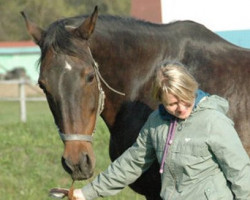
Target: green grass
[(30, 154)]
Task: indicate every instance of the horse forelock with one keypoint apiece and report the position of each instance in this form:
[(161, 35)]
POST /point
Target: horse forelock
[(59, 40)]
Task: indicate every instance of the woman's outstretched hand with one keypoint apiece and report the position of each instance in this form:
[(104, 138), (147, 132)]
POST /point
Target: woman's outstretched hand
[(78, 195)]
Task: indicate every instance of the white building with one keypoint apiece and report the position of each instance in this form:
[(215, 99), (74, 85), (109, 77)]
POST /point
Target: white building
[(229, 19)]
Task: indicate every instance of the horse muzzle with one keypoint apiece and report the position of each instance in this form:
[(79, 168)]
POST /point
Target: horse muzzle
[(82, 170)]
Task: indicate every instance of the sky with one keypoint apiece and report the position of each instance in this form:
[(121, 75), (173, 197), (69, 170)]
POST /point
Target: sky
[(217, 15)]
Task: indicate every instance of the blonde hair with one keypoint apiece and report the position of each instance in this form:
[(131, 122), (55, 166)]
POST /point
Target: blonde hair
[(173, 77)]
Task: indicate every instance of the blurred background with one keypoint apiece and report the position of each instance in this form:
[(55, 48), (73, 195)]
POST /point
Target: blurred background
[(30, 149)]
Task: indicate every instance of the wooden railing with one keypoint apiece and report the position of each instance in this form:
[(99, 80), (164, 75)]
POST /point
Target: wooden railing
[(21, 97)]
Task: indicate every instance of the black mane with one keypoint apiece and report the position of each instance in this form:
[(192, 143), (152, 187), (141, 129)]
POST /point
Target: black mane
[(59, 39)]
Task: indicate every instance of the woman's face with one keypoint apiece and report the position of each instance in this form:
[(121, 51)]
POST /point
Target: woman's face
[(176, 107)]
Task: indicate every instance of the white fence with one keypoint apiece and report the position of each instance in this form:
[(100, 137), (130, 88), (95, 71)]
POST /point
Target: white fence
[(22, 98)]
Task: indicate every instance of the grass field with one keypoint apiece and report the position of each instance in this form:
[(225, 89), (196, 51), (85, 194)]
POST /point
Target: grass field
[(30, 154)]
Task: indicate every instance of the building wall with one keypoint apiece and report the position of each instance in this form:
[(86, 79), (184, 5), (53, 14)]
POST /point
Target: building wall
[(20, 54), (222, 15), (149, 10), (229, 19), (238, 37)]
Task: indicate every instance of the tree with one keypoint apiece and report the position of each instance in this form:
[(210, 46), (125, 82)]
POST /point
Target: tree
[(46, 11)]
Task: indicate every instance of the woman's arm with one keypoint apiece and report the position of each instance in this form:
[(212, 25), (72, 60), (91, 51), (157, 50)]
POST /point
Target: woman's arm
[(124, 170), (231, 156)]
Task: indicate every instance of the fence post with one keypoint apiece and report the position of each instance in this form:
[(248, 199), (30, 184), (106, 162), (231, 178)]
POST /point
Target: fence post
[(22, 97)]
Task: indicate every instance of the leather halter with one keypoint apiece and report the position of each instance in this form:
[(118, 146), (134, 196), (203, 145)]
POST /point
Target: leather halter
[(89, 138), (78, 137)]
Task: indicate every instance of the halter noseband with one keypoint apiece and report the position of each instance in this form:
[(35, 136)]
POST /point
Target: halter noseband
[(78, 137), (89, 138)]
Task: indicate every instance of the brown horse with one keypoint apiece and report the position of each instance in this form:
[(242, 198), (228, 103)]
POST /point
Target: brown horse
[(127, 51)]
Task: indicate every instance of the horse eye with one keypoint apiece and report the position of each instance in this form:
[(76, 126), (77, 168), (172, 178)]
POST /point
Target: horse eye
[(42, 86), (90, 77)]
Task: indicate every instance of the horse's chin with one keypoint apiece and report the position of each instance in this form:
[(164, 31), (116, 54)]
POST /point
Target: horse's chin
[(81, 177)]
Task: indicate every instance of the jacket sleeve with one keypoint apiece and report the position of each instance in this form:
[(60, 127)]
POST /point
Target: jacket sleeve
[(231, 156), (125, 169)]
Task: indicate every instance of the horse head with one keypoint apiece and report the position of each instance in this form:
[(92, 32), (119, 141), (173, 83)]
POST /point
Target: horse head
[(69, 78)]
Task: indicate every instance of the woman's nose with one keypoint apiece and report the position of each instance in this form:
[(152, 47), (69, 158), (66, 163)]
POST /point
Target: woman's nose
[(180, 107)]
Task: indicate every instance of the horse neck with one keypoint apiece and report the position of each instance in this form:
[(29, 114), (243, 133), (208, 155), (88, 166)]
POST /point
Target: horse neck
[(122, 70), (126, 57)]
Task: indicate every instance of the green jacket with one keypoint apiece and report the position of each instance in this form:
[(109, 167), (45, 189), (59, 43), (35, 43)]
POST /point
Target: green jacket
[(206, 160)]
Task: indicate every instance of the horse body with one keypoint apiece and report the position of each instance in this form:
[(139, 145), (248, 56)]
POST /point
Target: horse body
[(127, 52), (220, 67)]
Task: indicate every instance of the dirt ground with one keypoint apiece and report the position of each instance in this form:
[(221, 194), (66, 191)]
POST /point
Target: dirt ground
[(12, 90)]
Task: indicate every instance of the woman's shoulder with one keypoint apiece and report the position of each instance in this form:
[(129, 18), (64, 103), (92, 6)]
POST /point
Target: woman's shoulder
[(213, 109), (214, 104), (154, 116), (155, 119)]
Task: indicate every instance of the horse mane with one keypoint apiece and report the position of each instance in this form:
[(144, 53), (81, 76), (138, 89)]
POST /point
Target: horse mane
[(59, 39)]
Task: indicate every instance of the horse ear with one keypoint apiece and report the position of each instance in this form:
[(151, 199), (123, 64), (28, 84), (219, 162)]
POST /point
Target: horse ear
[(87, 27), (33, 29)]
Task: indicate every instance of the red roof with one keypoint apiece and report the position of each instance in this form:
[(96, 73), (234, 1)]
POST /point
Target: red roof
[(17, 44)]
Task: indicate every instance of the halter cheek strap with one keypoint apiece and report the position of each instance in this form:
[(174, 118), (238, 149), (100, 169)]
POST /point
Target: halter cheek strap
[(89, 138)]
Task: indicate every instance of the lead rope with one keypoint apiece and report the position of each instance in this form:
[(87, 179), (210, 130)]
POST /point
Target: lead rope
[(102, 79), (96, 67), (101, 97), (169, 140)]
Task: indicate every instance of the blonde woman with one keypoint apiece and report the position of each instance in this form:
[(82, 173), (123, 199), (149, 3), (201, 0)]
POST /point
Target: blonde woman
[(199, 152)]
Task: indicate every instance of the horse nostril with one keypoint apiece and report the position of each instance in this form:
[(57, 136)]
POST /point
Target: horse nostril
[(80, 170), (85, 162), (68, 167)]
